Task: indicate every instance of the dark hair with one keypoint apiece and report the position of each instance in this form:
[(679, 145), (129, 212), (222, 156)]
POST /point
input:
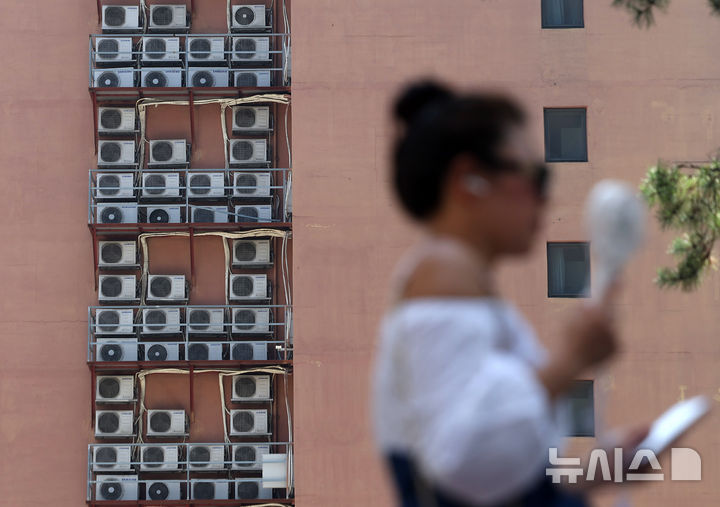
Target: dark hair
[(439, 126)]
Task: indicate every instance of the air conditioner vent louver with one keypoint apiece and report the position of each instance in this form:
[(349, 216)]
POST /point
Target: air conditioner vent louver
[(244, 319), (242, 352), (244, 16), (153, 457), (114, 16), (200, 48), (109, 422), (248, 456), (161, 287), (109, 321), (108, 48), (162, 151), (106, 456), (110, 152), (157, 353), (155, 320), (109, 387), (111, 253), (200, 320), (159, 216), (246, 183), (244, 252), (203, 78), (160, 422), (111, 287), (199, 455), (242, 150), (198, 352), (243, 421), (242, 286), (200, 184), (155, 48), (162, 15), (109, 184), (248, 490), (244, 47), (244, 117), (116, 488), (155, 184), (110, 118)]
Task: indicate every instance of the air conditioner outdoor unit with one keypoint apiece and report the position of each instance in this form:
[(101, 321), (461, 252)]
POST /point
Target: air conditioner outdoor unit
[(250, 119), (114, 186), (206, 457), (163, 214), (250, 320), (251, 489), (248, 151), (116, 350), (115, 388), (163, 490), (248, 422), (206, 185), (251, 49), (248, 351), (206, 320), (250, 253), (166, 423), (209, 214), (252, 78), (205, 489), (114, 423), (162, 352), (248, 287), (115, 321), (113, 49), (111, 457), (116, 487), (251, 388), (248, 456), (116, 120), (168, 152), (117, 288), (168, 17), (248, 18), (161, 320), (114, 78), (159, 458), (253, 213), (166, 288), (206, 77), (205, 49), (206, 351), (249, 184), (156, 50), (116, 154), (117, 254), (160, 185), (117, 213), (121, 18), (162, 77)]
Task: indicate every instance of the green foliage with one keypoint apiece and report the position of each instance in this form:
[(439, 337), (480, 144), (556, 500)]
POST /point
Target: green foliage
[(643, 10), (686, 199)]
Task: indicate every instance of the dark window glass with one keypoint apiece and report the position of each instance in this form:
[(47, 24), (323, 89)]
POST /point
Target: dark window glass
[(565, 135), (582, 409), (562, 14), (568, 269)]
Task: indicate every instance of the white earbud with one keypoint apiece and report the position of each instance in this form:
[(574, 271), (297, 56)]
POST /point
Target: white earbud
[(476, 184)]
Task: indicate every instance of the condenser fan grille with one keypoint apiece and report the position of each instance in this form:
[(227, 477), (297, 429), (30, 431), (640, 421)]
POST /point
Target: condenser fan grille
[(111, 287), (155, 184), (108, 49), (200, 456), (244, 319), (162, 151), (246, 183), (110, 152), (244, 16), (111, 490), (111, 253), (200, 48), (243, 421), (198, 352), (158, 491), (242, 286), (203, 490), (246, 79), (108, 422), (245, 117), (109, 388), (108, 80), (161, 287), (109, 185), (160, 422), (108, 321), (247, 214), (203, 79), (199, 320), (247, 490), (114, 16), (245, 48), (155, 79), (162, 16), (200, 184), (111, 352), (243, 150), (157, 353), (245, 455), (245, 251), (106, 457), (153, 457), (245, 387), (155, 48), (110, 119), (159, 216), (111, 215), (242, 352), (155, 320), (203, 215)]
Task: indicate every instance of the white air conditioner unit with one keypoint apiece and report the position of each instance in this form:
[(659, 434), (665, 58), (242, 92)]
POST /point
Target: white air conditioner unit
[(116, 488), (116, 120), (163, 214), (251, 489), (206, 489), (251, 388), (253, 213), (160, 185), (114, 78), (117, 213), (250, 320), (161, 77), (121, 18), (248, 18), (248, 287), (166, 423), (162, 351), (166, 288), (161, 321), (114, 185), (250, 253), (115, 321), (206, 77), (206, 457), (206, 185), (247, 184), (205, 49), (117, 288), (248, 151), (114, 423), (248, 456), (115, 388), (209, 214), (157, 50), (251, 49), (250, 119), (206, 320), (117, 254), (116, 154), (113, 49), (111, 457), (206, 351), (168, 152), (248, 351), (163, 490), (168, 17), (251, 78), (116, 350), (159, 458), (248, 422)]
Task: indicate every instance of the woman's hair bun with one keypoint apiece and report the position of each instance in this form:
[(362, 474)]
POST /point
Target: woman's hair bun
[(417, 97)]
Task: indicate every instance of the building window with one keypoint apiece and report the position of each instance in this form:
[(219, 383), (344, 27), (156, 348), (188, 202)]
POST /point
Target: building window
[(581, 405), (562, 14), (568, 266), (565, 135)]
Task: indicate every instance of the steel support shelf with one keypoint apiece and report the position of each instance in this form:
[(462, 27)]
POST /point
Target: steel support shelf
[(193, 503)]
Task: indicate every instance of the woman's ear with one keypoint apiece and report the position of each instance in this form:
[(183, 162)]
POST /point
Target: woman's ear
[(465, 175)]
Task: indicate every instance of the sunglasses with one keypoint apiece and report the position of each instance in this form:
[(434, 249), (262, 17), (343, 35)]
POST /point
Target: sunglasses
[(538, 173)]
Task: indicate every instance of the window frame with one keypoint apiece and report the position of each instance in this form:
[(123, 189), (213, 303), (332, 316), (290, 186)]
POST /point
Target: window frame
[(546, 130), (589, 269), (545, 26)]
